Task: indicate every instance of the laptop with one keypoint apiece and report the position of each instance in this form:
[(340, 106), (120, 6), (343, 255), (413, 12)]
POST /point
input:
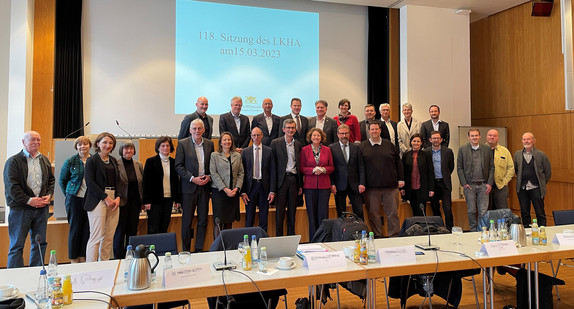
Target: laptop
[(280, 246)]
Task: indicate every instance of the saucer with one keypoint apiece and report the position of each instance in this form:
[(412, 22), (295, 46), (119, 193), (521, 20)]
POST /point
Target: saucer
[(15, 293), (284, 268)]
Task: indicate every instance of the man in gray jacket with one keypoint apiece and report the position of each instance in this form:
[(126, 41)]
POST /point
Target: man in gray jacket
[(532, 174), (475, 170)]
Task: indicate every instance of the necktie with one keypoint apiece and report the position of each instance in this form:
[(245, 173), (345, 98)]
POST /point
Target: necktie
[(298, 123), (345, 153), (257, 171)]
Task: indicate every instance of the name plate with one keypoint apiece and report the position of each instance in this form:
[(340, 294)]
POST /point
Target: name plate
[(185, 275), (499, 248), (92, 280), (564, 239), (324, 260), (396, 255)]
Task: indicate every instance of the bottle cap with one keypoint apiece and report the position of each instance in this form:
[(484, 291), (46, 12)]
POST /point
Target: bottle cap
[(42, 272), (252, 236), (53, 252), (130, 247), (264, 248), (67, 276), (371, 233), (152, 247), (168, 254)]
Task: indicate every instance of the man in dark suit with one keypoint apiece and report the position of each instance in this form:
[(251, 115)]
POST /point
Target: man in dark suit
[(391, 125), (200, 113), (301, 122), (192, 166), (435, 124), (259, 181), (324, 122), (289, 180), (370, 114), (443, 162), (236, 124), (475, 168), (269, 123), (348, 179)]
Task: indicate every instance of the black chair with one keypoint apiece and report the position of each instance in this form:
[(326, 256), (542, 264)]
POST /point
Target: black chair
[(231, 239), (561, 217), (164, 242)]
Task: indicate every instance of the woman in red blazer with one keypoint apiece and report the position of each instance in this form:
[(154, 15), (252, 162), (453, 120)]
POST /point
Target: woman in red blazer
[(350, 120), (316, 163)]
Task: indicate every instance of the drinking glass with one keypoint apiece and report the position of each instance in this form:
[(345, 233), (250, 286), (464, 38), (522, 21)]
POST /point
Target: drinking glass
[(240, 248), (457, 231), (184, 257), (43, 299)]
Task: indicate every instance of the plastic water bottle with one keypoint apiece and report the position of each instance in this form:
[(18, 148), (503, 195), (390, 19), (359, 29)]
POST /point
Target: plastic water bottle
[(43, 293), (152, 261), (53, 266), (167, 261), (371, 250), (263, 260), (535, 233), (254, 251), (128, 261)]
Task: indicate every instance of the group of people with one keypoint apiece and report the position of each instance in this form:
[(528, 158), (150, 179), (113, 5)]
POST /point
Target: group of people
[(370, 161)]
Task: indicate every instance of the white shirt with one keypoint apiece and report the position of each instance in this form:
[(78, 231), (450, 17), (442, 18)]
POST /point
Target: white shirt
[(200, 158), (435, 125), (290, 157), (380, 142), (269, 121), (320, 124)]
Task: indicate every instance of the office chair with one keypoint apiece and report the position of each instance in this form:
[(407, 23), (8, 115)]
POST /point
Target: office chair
[(561, 217)]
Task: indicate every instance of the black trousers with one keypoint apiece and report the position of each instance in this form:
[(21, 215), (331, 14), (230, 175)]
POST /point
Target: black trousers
[(355, 198), (441, 193), (498, 198), (286, 201), (525, 197), (190, 202), (317, 203), (79, 226), (257, 198), (159, 216), (418, 197), (127, 226)]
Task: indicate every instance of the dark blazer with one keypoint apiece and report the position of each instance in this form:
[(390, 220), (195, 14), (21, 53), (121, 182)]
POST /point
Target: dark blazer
[(95, 174), (330, 129), (301, 138), (153, 181), (352, 172), (122, 185), (464, 164), (447, 164), (365, 132), (308, 163), (394, 125), (227, 123), (72, 175), (279, 148), (186, 163), (259, 121), (186, 122), (542, 169), (15, 176), (427, 128), (426, 171), (268, 173)]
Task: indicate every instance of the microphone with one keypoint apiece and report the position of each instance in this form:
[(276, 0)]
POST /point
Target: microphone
[(65, 138), (126, 132), (428, 246), (38, 239), (218, 265)]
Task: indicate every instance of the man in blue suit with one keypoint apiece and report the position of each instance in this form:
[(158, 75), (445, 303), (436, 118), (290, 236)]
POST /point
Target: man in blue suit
[(259, 180)]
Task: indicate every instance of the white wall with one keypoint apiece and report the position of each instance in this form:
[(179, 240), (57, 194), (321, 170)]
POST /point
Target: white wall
[(128, 49), (435, 66)]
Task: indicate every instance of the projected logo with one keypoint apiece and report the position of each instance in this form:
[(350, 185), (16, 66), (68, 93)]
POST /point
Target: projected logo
[(250, 105)]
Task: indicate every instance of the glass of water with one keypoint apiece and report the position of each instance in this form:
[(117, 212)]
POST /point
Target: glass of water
[(457, 231), (43, 299), (184, 257)]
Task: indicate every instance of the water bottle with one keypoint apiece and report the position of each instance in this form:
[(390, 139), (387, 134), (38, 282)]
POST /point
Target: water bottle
[(535, 233), (543, 237), (371, 250), (263, 260), (503, 231), (363, 255), (492, 231), (499, 229), (167, 262), (152, 261), (254, 251), (43, 293), (128, 261), (53, 266)]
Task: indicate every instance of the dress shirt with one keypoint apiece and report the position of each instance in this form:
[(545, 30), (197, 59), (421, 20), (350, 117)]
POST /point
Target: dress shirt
[(257, 149), (435, 124), (269, 122), (200, 158), (380, 142), (237, 121), (345, 149), (391, 130), (436, 162), (34, 179), (320, 124), (290, 157)]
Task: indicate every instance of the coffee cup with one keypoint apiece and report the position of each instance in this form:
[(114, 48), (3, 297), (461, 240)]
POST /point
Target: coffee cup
[(286, 262), (6, 290)]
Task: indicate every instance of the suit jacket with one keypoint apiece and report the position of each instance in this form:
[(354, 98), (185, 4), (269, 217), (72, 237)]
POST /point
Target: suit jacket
[(427, 128), (426, 171), (365, 132), (308, 163), (186, 122), (72, 175), (464, 164), (15, 180), (405, 133), (301, 138), (227, 123), (186, 163), (259, 121), (396, 135), (122, 185), (329, 127), (219, 170), (446, 163), (268, 174), (96, 179), (353, 172), (153, 181), (279, 148), (541, 167)]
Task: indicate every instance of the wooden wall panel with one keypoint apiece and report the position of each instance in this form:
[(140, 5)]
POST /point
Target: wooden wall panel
[(394, 65)]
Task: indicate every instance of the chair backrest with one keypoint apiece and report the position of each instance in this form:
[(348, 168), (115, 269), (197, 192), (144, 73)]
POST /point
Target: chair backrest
[(164, 242), (420, 220), (496, 214), (232, 237), (562, 217)]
